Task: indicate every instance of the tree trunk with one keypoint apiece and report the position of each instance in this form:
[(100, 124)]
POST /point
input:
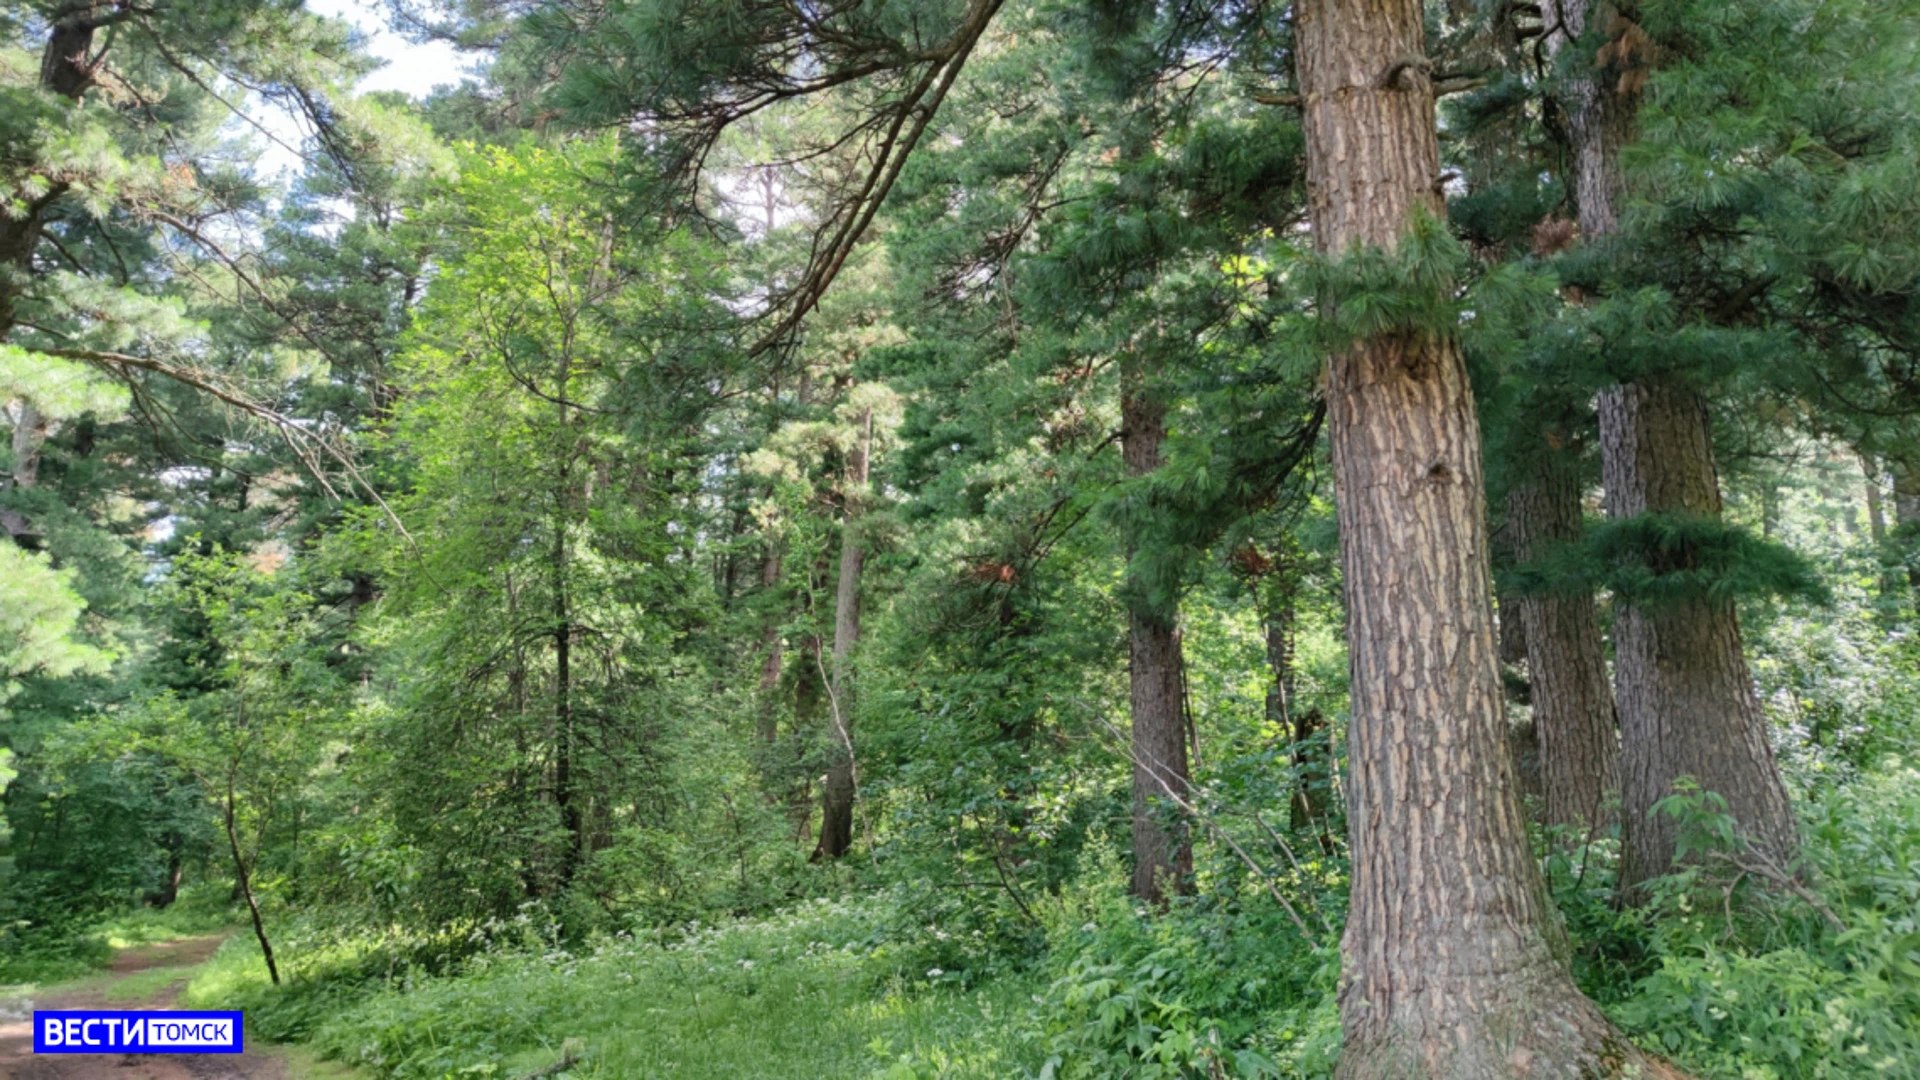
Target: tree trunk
[(1312, 771), (242, 883), (29, 439), (66, 69), (1876, 515), (771, 653), (1523, 741), (1906, 518), (565, 797), (836, 808), (175, 846), (1888, 587), (1453, 954), (1162, 854), (1573, 716), (1687, 703)]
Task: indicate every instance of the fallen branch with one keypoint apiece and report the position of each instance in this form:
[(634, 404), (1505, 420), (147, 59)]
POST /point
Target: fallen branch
[(1761, 865)]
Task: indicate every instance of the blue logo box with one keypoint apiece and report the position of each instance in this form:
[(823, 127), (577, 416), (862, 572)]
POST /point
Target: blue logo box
[(119, 1031)]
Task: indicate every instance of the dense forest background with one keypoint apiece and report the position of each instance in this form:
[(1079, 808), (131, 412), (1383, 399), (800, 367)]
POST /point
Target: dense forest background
[(974, 538)]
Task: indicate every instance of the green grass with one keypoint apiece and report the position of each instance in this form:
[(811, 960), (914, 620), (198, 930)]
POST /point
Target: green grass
[(805, 995), (58, 955)]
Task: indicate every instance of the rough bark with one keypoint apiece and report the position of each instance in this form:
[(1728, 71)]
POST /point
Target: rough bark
[(836, 808), (1687, 702), (1162, 853), (1452, 953), (67, 66), (1573, 715), (1599, 108)]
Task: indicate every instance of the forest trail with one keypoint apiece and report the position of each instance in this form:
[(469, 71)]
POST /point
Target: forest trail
[(149, 977)]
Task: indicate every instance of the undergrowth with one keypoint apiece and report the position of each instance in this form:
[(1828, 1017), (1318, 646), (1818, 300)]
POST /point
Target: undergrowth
[(32, 954), (819, 990), (1728, 973)]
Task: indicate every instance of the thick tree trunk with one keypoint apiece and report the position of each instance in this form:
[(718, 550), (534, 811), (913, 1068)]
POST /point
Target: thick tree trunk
[(1687, 702), (836, 809), (1573, 716), (1162, 853), (1452, 954), (66, 69)]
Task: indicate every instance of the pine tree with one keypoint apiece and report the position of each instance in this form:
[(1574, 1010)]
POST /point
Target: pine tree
[(1453, 955)]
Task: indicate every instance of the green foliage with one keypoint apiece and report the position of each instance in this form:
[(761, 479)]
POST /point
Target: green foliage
[(1213, 989), (38, 956), (38, 615), (1670, 558), (1753, 983), (518, 705), (814, 991)]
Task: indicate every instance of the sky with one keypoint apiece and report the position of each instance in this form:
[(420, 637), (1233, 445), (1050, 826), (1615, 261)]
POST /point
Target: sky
[(415, 69), (410, 68)]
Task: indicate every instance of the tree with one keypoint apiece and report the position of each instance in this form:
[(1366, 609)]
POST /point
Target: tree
[(1573, 712), (1452, 953), (272, 707), (1687, 705)]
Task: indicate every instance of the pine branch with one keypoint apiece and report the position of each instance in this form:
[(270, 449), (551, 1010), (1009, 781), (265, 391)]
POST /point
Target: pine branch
[(1446, 84), (306, 444)]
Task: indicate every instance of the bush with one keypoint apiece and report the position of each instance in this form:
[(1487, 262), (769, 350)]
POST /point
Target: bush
[(1226, 987), (1749, 978)]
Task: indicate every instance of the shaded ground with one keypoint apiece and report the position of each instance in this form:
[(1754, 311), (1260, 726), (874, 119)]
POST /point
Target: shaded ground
[(150, 977)]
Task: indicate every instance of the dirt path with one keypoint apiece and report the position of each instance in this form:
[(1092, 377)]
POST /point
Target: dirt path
[(17, 1060)]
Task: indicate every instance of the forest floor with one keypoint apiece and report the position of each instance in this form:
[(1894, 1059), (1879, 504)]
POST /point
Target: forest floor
[(147, 977)]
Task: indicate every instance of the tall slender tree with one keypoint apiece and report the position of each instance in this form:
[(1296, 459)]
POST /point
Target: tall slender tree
[(837, 795), (1162, 855)]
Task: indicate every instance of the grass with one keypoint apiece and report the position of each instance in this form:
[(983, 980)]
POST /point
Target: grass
[(804, 995), (48, 957)]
